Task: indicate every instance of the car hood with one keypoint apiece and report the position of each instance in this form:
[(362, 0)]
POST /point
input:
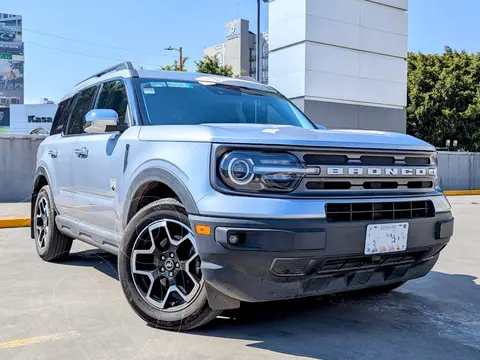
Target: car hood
[(283, 135)]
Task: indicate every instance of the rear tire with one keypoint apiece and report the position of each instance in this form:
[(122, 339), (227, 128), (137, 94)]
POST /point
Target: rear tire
[(51, 244), (159, 268)]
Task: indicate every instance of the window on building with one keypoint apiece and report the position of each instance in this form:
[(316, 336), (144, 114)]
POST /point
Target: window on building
[(82, 104), (113, 96), (265, 49), (219, 57)]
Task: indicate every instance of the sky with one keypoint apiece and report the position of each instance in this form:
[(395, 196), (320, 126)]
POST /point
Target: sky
[(111, 31)]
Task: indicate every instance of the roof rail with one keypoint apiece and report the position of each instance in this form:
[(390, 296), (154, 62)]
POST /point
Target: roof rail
[(127, 65)]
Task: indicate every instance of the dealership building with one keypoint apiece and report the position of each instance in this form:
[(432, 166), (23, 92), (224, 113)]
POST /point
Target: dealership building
[(31, 118), (343, 62)]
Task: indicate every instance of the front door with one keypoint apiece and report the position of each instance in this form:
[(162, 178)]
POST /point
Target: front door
[(98, 165)]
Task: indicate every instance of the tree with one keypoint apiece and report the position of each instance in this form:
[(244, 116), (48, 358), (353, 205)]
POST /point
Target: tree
[(210, 65), (176, 66), (444, 98)]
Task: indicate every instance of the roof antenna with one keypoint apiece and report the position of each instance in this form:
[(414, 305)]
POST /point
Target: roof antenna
[(238, 13)]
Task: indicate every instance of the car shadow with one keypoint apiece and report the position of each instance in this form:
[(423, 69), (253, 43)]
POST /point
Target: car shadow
[(94, 258), (435, 317)]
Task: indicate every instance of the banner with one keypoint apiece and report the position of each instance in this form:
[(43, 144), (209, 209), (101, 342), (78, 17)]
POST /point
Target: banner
[(11, 82), (11, 34)]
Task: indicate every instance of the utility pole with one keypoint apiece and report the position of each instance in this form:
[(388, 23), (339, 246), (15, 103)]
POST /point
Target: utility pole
[(180, 50), (258, 41), (181, 58)]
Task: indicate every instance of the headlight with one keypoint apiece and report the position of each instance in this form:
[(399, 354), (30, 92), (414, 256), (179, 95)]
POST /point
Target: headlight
[(251, 171)]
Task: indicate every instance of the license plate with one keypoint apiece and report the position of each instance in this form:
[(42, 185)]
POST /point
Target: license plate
[(386, 238)]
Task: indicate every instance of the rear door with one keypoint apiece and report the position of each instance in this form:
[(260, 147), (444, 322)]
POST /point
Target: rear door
[(58, 160), (100, 161)]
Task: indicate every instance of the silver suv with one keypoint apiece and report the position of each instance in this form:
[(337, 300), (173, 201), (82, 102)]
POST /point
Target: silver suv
[(215, 191)]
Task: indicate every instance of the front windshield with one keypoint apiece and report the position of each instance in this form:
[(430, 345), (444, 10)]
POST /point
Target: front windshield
[(168, 102)]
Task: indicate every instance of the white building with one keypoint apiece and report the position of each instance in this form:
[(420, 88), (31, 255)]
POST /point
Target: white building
[(239, 50), (342, 61), (31, 118)]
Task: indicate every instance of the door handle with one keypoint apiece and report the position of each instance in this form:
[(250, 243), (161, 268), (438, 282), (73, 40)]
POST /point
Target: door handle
[(81, 152), (53, 153)]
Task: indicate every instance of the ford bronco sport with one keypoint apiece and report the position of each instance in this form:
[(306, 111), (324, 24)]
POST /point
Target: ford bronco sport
[(214, 191)]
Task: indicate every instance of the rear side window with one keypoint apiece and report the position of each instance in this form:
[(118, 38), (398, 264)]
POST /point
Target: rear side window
[(113, 96), (82, 103), (61, 117)]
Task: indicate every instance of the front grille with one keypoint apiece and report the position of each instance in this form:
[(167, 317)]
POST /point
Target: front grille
[(367, 172), (358, 159), (339, 265), (341, 212)]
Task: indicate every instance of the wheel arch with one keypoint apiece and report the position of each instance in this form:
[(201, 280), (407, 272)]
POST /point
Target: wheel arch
[(166, 182)]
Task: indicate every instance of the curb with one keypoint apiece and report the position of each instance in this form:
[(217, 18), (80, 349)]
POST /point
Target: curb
[(14, 222), (461, 192)]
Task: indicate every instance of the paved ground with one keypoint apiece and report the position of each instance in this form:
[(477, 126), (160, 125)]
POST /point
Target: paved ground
[(76, 310), (11, 210)]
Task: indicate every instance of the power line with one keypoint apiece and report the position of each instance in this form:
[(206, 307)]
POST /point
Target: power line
[(84, 54), (96, 44)]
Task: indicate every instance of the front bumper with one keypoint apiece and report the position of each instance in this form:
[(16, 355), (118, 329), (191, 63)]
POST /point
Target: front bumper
[(290, 258)]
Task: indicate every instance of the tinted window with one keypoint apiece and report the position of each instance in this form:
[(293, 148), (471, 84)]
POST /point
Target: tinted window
[(192, 103), (82, 104), (61, 117), (114, 96)]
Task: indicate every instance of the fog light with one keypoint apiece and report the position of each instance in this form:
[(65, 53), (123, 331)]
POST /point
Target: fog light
[(234, 239)]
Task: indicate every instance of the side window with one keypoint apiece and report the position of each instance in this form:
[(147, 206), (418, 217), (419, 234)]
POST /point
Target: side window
[(113, 96), (81, 105), (61, 117)]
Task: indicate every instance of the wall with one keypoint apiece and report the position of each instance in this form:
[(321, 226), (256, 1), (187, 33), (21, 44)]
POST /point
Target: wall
[(17, 166), (342, 54), (459, 170)]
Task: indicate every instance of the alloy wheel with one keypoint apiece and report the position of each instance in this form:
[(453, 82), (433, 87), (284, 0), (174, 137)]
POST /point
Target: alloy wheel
[(165, 265), (42, 222)]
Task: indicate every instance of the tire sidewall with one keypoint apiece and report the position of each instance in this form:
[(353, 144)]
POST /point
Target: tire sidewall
[(139, 222)]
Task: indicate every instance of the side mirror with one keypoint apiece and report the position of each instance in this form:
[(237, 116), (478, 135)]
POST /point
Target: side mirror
[(320, 127), (100, 121)]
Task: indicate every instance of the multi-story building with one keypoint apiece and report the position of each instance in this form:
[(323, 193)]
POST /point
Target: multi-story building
[(11, 66), (239, 50)]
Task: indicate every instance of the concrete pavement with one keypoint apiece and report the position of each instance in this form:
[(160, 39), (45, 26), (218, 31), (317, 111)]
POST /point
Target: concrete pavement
[(76, 310)]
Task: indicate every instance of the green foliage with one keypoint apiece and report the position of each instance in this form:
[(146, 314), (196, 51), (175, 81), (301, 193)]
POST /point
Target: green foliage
[(175, 66), (210, 65), (444, 98)]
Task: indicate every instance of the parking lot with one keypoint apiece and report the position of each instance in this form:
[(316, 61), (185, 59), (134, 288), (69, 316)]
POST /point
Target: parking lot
[(76, 310)]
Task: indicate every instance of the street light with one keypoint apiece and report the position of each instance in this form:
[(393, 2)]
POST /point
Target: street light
[(258, 39), (181, 55)]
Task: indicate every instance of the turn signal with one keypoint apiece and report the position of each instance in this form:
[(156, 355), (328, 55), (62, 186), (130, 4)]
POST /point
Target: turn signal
[(203, 229)]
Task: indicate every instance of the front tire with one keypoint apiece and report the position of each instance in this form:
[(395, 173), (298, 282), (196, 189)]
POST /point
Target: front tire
[(51, 244), (159, 268)]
